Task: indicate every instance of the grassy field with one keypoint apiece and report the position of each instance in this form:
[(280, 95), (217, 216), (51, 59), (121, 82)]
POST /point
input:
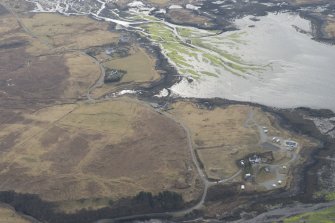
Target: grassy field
[(81, 155), (104, 150), (231, 140), (52, 76), (188, 16), (330, 28), (64, 33), (83, 71), (323, 216), (9, 216), (221, 136), (95, 152), (139, 65), (41, 58)]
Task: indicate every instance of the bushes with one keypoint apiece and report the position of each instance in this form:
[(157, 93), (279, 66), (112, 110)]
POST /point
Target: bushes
[(164, 201), (142, 203)]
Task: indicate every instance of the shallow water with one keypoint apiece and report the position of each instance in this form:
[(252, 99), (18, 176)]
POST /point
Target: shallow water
[(298, 71), (302, 71)]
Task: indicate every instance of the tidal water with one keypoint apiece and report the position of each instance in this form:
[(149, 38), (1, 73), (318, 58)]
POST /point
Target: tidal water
[(301, 71)]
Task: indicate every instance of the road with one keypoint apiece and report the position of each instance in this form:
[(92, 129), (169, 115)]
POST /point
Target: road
[(251, 122), (99, 82), (263, 138), (25, 28), (206, 183)]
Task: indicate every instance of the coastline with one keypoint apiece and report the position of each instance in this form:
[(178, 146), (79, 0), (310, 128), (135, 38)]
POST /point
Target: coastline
[(292, 119)]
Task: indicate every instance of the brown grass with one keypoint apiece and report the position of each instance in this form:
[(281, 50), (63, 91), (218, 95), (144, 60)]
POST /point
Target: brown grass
[(140, 67), (24, 75), (112, 149), (8, 215), (8, 25), (81, 151), (65, 32), (57, 76), (330, 28), (30, 77), (188, 16), (221, 137), (83, 71)]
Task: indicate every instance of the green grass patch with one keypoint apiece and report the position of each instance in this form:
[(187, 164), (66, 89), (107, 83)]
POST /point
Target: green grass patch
[(181, 63), (237, 67), (324, 216), (232, 70), (222, 53), (213, 59), (236, 35), (190, 72), (180, 53), (184, 32), (158, 32), (209, 74), (328, 196)]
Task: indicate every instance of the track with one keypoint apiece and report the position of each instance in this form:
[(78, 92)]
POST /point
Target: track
[(206, 183)]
